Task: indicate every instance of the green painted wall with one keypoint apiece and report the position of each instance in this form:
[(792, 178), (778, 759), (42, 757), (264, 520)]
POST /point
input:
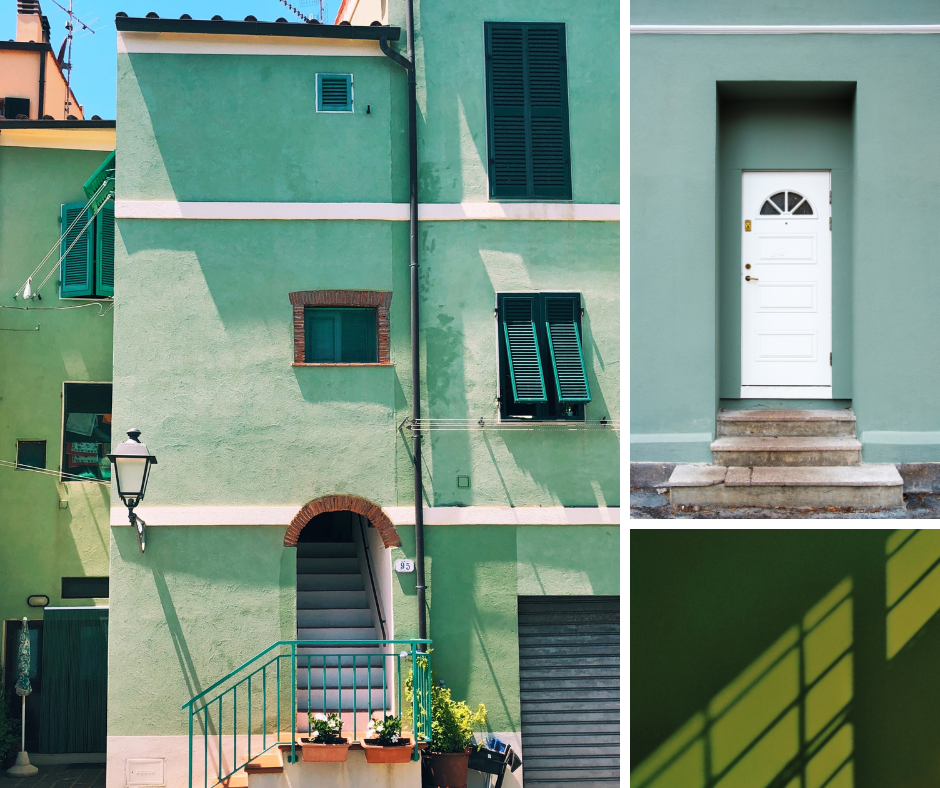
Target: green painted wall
[(42, 542), (894, 285), (711, 611), (784, 12)]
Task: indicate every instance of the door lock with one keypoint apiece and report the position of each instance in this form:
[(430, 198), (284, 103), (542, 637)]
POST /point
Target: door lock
[(747, 225), (751, 278)]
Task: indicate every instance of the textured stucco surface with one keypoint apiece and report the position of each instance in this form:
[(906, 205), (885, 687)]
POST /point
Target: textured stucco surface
[(39, 541)]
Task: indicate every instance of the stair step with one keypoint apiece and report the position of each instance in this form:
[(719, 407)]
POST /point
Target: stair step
[(361, 720), (333, 675), (787, 451), (342, 617), (347, 653), (333, 698), (328, 566), (326, 550), (857, 486), (329, 582), (786, 423), (337, 633), (327, 600)]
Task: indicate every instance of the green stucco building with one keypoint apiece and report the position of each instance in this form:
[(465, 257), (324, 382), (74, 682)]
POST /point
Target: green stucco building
[(262, 347)]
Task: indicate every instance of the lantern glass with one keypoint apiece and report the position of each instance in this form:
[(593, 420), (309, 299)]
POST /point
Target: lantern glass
[(131, 474)]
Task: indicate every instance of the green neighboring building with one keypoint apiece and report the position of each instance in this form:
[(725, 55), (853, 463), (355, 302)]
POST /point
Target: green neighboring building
[(262, 347)]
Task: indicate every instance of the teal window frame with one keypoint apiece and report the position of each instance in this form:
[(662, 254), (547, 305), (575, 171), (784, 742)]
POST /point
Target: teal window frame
[(314, 313), (528, 131), (561, 362), (348, 106)]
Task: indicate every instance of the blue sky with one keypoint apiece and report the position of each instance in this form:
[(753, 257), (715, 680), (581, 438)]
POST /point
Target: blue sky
[(94, 57)]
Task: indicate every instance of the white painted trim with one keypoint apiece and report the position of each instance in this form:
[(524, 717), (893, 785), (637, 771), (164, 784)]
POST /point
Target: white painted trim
[(784, 30), (901, 438), (672, 437), (399, 515), (212, 44), (369, 211), (786, 392)]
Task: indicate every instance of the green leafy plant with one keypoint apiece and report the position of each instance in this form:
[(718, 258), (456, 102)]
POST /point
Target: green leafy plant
[(452, 722), (326, 728), (387, 730)]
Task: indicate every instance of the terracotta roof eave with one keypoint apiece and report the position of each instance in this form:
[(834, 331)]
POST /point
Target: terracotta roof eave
[(233, 27)]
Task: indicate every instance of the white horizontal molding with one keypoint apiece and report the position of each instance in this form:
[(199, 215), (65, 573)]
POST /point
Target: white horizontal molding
[(369, 211), (901, 438), (211, 44), (399, 515), (671, 437), (784, 30)]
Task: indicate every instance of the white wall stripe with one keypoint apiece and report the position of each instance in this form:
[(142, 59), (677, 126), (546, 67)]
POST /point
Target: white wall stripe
[(399, 515), (211, 44), (374, 211), (784, 30)]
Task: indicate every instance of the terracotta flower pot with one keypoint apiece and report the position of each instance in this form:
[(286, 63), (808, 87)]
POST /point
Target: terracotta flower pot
[(446, 770), (394, 753), (325, 753)]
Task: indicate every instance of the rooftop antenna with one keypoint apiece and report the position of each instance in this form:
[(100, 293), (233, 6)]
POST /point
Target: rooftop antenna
[(67, 63), (320, 5)]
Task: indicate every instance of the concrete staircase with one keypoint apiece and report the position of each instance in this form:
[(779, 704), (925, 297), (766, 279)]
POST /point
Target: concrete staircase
[(332, 604), (788, 458)]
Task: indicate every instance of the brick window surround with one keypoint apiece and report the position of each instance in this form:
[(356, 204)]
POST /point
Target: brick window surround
[(377, 299), (341, 503)]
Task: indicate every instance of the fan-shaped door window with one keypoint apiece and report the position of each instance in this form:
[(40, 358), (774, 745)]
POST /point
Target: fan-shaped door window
[(786, 203)]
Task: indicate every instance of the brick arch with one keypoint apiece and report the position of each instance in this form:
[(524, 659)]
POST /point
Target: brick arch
[(343, 503)]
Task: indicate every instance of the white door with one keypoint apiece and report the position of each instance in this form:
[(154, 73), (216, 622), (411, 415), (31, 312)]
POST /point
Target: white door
[(786, 285)]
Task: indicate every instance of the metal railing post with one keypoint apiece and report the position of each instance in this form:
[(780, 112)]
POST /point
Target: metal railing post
[(293, 703), (414, 698), (190, 747)]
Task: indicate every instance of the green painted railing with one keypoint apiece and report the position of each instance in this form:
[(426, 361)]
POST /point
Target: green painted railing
[(262, 690)]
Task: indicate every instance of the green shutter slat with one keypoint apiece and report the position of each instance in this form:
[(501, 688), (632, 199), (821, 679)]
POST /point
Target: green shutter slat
[(548, 109), (334, 92), (522, 351), (509, 154), (104, 251), (564, 342), (76, 269)]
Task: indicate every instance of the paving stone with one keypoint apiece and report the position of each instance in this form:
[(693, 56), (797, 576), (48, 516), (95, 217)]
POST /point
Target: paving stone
[(864, 475), (738, 477), (697, 475), (786, 415)]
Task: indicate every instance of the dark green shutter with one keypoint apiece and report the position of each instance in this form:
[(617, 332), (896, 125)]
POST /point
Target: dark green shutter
[(527, 105), (564, 342), (334, 93), (76, 273), (522, 350), (104, 251)]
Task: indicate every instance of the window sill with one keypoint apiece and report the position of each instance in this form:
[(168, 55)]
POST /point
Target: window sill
[(344, 364)]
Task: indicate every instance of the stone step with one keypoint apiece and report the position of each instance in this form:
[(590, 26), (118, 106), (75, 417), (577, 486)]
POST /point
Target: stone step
[(788, 452), (859, 486), (786, 423)]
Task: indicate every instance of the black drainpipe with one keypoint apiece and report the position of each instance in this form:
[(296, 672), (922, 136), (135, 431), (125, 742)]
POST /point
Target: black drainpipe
[(42, 84), (409, 65)]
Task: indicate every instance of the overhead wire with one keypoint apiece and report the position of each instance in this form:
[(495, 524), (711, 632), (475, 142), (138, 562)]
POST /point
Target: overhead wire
[(48, 472)]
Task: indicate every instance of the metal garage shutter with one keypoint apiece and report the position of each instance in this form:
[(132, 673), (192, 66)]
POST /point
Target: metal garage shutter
[(569, 679)]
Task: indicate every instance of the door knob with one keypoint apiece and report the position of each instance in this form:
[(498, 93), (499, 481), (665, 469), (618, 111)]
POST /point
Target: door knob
[(751, 278)]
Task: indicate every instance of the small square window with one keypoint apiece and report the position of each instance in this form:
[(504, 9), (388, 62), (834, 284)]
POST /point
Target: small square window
[(340, 336), (85, 588), (30, 454), (86, 438), (334, 93)]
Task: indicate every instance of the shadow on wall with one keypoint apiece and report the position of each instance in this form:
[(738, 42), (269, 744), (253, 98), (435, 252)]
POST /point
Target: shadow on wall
[(784, 721)]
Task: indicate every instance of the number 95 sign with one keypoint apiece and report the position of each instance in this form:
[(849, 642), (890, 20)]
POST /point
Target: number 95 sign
[(404, 565)]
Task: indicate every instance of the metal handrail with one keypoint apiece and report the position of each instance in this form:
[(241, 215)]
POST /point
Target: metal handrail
[(375, 593), (338, 650)]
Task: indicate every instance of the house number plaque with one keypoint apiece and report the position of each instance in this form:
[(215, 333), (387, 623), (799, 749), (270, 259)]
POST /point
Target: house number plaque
[(404, 565)]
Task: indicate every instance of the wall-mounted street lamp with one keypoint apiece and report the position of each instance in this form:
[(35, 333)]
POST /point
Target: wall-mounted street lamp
[(132, 460)]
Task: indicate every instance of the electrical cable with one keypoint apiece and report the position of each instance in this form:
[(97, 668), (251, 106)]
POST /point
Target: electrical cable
[(47, 472), (65, 253)]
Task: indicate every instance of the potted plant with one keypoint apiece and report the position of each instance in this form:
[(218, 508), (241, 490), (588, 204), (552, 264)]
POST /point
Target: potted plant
[(325, 744), (384, 742), (452, 725)]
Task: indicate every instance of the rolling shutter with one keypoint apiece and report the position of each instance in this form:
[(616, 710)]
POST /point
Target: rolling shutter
[(527, 105), (334, 93), (76, 272), (564, 342), (569, 667), (522, 350), (104, 237)]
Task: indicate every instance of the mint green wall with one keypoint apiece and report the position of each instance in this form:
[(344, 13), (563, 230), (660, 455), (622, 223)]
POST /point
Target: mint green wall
[(39, 541), (784, 12), (673, 245)]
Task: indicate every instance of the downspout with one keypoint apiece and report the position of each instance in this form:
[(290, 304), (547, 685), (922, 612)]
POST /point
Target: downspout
[(42, 84), (409, 64)]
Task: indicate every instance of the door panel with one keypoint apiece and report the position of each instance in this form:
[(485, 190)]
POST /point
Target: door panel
[(786, 305)]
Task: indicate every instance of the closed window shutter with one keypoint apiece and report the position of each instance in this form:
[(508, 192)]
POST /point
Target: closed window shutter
[(104, 271), (76, 271), (564, 342), (522, 350), (527, 104), (334, 93)]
